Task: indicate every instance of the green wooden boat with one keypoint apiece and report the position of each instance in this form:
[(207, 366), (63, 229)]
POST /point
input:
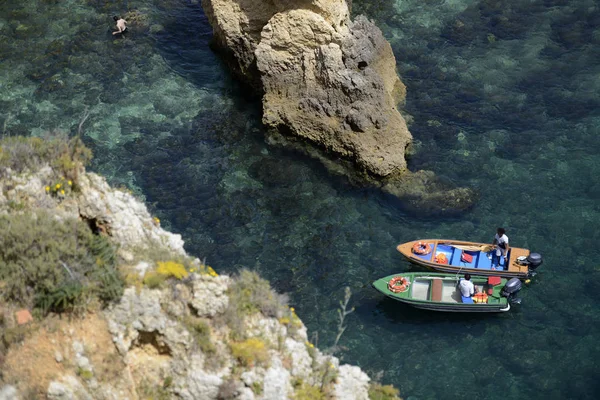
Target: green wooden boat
[(439, 291)]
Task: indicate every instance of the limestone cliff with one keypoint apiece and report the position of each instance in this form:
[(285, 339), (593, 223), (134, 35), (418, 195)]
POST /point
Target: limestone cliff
[(327, 80), (191, 334), (329, 88)]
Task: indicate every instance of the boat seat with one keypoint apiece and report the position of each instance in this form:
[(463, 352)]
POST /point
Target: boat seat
[(436, 289)]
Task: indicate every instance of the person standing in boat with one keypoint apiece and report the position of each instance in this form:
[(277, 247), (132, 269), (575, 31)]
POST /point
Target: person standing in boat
[(467, 289), (500, 248)]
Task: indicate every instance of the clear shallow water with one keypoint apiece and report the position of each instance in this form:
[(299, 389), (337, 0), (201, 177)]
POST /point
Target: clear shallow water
[(514, 115)]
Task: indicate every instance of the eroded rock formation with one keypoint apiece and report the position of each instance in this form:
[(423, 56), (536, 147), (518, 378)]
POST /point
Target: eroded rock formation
[(329, 88), (325, 79)]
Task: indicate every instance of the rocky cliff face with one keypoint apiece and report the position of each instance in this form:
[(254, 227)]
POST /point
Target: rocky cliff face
[(329, 89), (197, 335)]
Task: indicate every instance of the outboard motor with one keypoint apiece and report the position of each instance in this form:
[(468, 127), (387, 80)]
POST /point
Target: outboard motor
[(511, 288), (533, 260)]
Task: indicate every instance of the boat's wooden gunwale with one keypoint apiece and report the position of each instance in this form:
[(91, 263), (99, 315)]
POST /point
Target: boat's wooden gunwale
[(514, 270)]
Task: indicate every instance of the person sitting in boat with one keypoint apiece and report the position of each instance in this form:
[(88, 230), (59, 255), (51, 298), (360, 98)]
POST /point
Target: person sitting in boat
[(467, 289), (500, 244)]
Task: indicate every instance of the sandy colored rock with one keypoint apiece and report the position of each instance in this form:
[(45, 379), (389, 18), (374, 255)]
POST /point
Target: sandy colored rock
[(326, 80), (23, 317), (329, 89)]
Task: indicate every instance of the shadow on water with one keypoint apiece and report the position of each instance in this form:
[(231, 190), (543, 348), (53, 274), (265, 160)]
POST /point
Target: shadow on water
[(184, 43), (396, 312)]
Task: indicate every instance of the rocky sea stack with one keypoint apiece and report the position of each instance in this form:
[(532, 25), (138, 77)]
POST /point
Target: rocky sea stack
[(97, 301), (329, 88)]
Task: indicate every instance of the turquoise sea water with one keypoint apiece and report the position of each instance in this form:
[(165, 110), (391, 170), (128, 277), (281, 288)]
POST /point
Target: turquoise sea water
[(504, 97)]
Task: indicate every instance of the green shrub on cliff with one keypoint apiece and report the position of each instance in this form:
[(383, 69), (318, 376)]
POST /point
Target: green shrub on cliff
[(378, 391), (250, 294), (200, 330), (254, 294), (55, 264), (304, 391), (250, 352), (21, 153)]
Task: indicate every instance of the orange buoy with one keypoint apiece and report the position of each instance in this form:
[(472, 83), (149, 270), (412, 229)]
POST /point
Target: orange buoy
[(421, 248), (398, 284)]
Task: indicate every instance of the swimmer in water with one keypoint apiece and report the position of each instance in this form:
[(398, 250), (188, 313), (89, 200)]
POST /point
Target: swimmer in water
[(121, 25)]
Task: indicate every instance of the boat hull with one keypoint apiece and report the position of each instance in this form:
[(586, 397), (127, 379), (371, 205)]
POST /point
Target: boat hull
[(481, 265), (439, 292), (460, 308)]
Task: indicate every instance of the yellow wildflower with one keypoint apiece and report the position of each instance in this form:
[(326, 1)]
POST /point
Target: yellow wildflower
[(292, 309), (70, 183), (47, 188), (192, 270), (57, 186), (62, 192), (171, 268)]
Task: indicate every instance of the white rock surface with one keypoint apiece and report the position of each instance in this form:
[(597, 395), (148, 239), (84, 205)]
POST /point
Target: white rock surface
[(301, 360), (210, 296), (8, 392), (246, 394), (68, 389), (199, 385), (141, 268), (143, 313), (352, 383), (277, 383), (126, 218)]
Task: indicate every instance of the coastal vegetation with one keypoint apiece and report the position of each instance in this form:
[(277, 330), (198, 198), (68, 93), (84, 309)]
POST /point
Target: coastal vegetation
[(251, 294), (378, 391), (50, 262), (250, 352), (57, 261), (65, 155)]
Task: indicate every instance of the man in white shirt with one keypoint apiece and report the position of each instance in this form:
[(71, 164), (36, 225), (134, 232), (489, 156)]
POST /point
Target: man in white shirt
[(500, 248), (467, 289)]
